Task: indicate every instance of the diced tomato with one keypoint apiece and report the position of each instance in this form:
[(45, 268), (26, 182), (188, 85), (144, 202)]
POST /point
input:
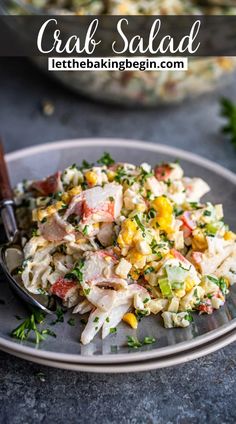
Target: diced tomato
[(49, 185), (62, 286), (206, 307), (162, 172)]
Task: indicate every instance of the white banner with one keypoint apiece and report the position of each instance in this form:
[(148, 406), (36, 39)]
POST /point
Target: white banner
[(118, 64)]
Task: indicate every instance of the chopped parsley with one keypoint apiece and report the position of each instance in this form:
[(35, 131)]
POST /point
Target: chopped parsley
[(113, 330), (178, 211), (76, 273), (42, 291), (29, 325), (148, 340), (44, 220), (71, 322), (35, 232), (151, 213), (59, 316), (139, 223), (221, 283), (85, 230), (135, 343), (188, 317), (87, 291), (86, 165), (96, 319), (207, 213), (140, 314), (106, 159), (149, 270), (74, 166), (195, 205)]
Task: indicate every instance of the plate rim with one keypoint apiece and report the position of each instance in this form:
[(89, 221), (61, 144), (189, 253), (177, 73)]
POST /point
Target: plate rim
[(142, 366), (159, 148)]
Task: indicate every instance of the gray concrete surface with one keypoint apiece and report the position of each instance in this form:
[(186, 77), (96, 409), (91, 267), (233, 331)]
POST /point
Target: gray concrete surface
[(202, 391)]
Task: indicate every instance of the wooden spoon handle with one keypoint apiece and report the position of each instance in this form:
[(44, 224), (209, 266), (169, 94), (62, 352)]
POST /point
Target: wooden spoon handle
[(5, 186)]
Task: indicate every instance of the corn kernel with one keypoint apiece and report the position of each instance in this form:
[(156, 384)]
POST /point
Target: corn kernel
[(111, 175), (162, 205), (81, 240), (131, 319), (180, 293), (164, 211), (227, 282), (199, 242), (229, 235), (134, 274), (41, 214), (74, 191), (127, 233), (91, 178), (189, 284), (66, 198), (225, 63)]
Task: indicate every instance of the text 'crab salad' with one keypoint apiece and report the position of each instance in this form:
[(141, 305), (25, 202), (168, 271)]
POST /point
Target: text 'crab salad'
[(120, 242)]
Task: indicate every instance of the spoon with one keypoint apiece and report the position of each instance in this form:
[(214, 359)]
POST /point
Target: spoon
[(11, 254)]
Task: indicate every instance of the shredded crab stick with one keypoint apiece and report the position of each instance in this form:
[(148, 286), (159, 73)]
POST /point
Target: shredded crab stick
[(119, 242)]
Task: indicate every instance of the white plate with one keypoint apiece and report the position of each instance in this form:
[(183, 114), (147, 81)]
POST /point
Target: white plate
[(136, 366)]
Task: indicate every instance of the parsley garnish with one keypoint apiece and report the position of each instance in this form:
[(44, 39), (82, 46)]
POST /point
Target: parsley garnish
[(31, 324), (113, 330), (60, 316), (148, 340), (194, 205), (120, 173), (151, 213), (221, 283), (106, 159), (71, 322), (228, 111), (139, 223), (35, 232), (76, 273), (85, 230), (86, 165), (189, 317), (96, 319), (149, 270), (140, 314), (135, 343), (207, 213)]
